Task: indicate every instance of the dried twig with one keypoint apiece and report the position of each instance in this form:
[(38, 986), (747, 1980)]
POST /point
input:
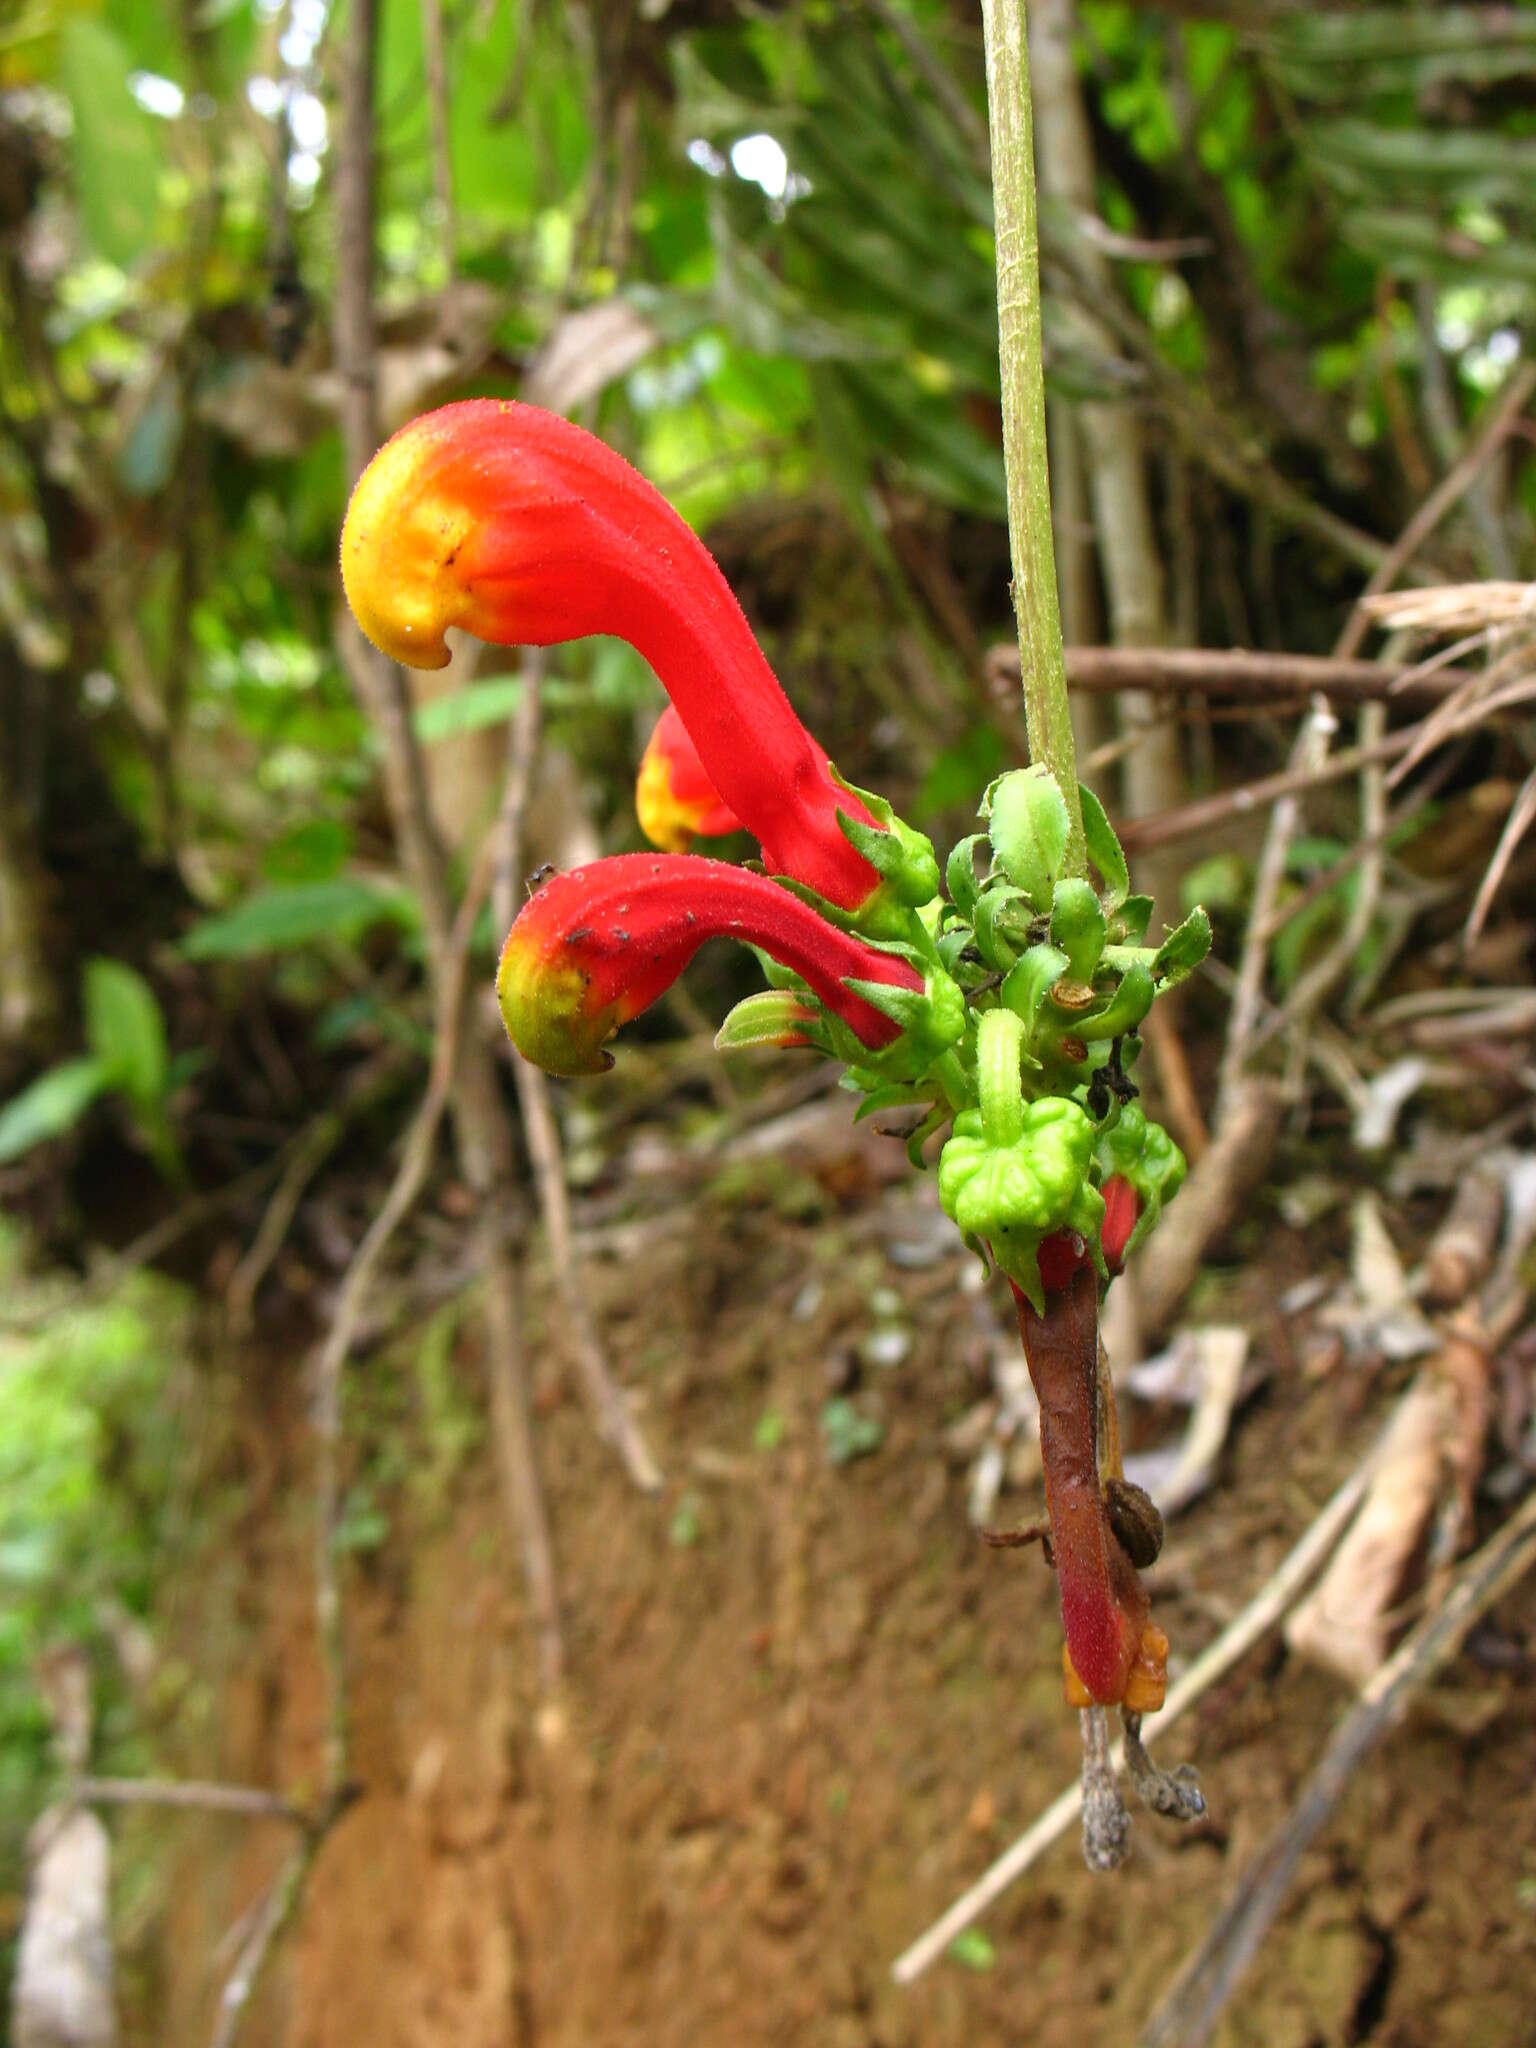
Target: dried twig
[(190, 1794), (1448, 492), (512, 1422), (1461, 1251), (1313, 987), (318, 1141), (1306, 760), (1206, 813), (1194, 2003), (1521, 817), (615, 1423), (273, 1917), (1267, 1607)]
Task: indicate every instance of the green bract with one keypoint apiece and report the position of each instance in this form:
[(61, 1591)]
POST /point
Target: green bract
[(1035, 981), (1015, 1171), (1011, 1196), (1027, 824), (1142, 1152)]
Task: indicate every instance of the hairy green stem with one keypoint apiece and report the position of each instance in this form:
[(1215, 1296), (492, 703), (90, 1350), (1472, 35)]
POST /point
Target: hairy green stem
[(1047, 711)]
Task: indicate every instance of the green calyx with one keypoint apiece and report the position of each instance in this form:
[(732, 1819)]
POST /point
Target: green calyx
[(1136, 1149), (932, 1020), (901, 856), (1013, 1172), (1025, 1031)]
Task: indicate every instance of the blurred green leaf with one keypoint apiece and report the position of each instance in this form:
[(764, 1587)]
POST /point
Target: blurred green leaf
[(847, 1433), (973, 1950), (489, 702), (313, 851), (52, 1104), (272, 920), (126, 1032), (116, 150)]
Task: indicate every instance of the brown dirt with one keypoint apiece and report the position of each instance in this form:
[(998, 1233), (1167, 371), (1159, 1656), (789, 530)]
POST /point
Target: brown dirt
[(789, 1742)]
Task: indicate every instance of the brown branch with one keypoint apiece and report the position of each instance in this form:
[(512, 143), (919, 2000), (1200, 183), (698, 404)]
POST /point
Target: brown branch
[(1207, 812), (437, 100), (274, 1916), (1244, 673), (615, 1424), (318, 1141), (516, 1463), (1193, 2005), (1248, 674)]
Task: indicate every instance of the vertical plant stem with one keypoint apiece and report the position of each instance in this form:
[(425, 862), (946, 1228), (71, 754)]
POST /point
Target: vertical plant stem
[(1047, 710)]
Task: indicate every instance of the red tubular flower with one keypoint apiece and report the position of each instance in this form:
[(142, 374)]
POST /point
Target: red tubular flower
[(675, 800), (522, 529), (595, 947), (1112, 1648)]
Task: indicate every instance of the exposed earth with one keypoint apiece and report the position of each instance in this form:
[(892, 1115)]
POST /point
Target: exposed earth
[(805, 1705)]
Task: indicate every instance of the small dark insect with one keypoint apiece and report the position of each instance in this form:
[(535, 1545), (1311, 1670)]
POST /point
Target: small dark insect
[(540, 876), (1134, 1517)]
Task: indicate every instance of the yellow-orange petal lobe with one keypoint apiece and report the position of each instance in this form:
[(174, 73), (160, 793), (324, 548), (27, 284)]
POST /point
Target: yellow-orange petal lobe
[(399, 544), (593, 948), (675, 800)]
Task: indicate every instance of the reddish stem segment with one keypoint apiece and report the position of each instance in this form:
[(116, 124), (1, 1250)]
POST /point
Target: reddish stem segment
[(597, 946), (1104, 1606), (523, 529)]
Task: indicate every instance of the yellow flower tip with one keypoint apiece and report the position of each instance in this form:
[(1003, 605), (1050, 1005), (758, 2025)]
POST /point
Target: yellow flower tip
[(667, 820), (544, 1006), (400, 541)]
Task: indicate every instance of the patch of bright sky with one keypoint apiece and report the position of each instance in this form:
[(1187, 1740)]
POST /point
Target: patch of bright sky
[(1488, 366), (266, 96), (757, 159), (306, 122), (301, 38), (760, 160), (156, 95), (270, 97), (705, 157)]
